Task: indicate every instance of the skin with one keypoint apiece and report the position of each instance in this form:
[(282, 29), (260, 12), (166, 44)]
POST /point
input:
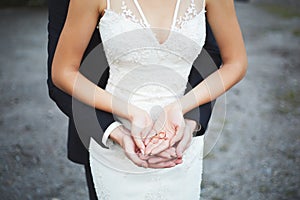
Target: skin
[(81, 21), (165, 159)]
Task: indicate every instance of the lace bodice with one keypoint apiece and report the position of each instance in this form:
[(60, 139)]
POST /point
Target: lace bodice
[(149, 65)]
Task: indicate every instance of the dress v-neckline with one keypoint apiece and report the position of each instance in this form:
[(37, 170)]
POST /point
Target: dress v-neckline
[(150, 27)]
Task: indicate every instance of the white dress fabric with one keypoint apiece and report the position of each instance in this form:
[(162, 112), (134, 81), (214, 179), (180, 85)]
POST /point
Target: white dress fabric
[(149, 67)]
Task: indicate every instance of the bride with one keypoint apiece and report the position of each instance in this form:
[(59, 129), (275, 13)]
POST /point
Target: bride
[(150, 47)]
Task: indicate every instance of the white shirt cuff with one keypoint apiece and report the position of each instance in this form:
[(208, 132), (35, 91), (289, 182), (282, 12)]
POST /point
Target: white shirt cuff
[(108, 131)]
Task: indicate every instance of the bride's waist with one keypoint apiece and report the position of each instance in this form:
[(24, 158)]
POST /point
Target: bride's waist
[(115, 158), (151, 91), (150, 100), (153, 107)]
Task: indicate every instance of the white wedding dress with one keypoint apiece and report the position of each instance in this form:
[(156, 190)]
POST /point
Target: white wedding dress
[(149, 68)]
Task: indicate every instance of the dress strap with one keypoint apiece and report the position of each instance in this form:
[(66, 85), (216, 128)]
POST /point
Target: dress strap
[(141, 12), (108, 4), (175, 13)]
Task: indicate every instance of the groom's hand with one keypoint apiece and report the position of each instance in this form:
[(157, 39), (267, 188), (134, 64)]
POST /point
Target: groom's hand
[(165, 159), (123, 137), (190, 126)]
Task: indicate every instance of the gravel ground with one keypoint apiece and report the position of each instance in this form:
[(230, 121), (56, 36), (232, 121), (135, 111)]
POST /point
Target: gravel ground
[(257, 153)]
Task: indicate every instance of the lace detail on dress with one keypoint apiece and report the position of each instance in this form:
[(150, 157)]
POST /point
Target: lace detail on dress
[(189, 14), (127, 13), (157, 194), (100, 188)]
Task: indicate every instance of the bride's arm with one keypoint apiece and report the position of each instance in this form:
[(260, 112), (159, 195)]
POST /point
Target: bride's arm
[(80, 23), (223, 21)]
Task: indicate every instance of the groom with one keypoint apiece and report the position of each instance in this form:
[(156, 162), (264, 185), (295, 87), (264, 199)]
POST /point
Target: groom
[(76, 150)]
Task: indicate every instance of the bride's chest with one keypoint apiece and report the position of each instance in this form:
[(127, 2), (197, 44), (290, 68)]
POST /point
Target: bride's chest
[(113, 24), (129, 29)]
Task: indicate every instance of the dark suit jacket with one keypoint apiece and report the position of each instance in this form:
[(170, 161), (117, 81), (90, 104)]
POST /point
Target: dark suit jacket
[(77, 144)]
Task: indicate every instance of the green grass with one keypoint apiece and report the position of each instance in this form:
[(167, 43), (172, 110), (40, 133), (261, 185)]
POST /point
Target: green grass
[(290, 99), (264, 188), (283, 11), (291, 96), (296, 32), (291, 193), (216, 198)]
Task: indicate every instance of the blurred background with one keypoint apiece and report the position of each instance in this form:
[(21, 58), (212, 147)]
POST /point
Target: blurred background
[(18, 3), (257, 153)]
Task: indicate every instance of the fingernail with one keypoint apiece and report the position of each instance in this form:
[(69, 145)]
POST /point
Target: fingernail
[(178, 161), (142, 151)]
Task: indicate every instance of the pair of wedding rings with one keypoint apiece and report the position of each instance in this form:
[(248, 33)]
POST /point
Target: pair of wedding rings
[(162, 135)]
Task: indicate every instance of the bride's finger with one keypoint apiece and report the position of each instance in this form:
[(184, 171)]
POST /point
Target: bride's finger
[(149, 136), (136, 134), (154, 142), (163, 145), (146, 132)]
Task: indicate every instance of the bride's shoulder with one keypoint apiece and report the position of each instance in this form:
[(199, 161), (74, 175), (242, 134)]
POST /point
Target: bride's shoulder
[(218, 2)]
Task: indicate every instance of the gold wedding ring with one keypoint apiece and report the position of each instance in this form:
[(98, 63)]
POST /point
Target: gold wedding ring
[(159, 136)]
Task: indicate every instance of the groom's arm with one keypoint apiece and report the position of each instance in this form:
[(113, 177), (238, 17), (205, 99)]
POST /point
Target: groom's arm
[(195, 78)]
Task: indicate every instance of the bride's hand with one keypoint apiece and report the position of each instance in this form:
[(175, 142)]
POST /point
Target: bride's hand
[(167, 130), (141, 124), (173, 155)]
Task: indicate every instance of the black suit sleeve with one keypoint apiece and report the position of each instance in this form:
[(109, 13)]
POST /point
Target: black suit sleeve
[(205, 110), (211, 46)]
